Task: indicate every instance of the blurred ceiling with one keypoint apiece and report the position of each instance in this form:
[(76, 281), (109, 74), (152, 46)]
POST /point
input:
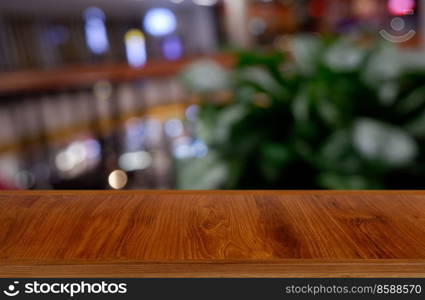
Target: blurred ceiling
[(72, 7)]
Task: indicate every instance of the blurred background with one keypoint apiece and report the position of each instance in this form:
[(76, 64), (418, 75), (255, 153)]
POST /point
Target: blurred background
[(212, 94)]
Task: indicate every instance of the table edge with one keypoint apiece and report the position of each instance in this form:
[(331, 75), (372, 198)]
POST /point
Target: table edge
[(279, 269), (212, 192)]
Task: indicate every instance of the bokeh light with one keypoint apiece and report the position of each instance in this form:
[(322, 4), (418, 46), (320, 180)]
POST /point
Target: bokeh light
[(134, 161), (160, 21), (205, 2), (172, 48), (117, 179), (401, 7), (96, 36), (135, 46)]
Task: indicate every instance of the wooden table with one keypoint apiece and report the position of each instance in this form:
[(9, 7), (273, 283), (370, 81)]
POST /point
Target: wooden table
[(212, 234)]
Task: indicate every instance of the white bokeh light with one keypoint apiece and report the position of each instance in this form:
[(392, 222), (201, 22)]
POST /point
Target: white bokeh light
[(160, 21), (205, 2)]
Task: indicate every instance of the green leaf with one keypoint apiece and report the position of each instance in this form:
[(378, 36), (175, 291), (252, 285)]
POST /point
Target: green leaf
[(383, 66), (274, 158), (344, 57), (337, 181), (414, 101), (384, 143), (307, 51), (205, 76), (338, 154), (204, 173)]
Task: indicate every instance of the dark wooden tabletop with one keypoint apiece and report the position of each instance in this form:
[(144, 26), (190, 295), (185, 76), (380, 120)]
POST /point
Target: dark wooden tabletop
[(212, 234)]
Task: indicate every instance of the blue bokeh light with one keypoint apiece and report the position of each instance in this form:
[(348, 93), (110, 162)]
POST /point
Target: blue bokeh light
[(172, 48), (96, 36)]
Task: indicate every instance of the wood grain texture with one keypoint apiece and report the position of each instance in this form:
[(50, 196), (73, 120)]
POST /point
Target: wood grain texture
[(212, 234)]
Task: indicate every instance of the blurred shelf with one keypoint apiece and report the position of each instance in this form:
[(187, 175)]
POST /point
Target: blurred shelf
[(78, 76), (106, 124)]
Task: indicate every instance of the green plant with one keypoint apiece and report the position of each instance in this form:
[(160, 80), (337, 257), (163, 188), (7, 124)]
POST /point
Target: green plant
[(338, 114)]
